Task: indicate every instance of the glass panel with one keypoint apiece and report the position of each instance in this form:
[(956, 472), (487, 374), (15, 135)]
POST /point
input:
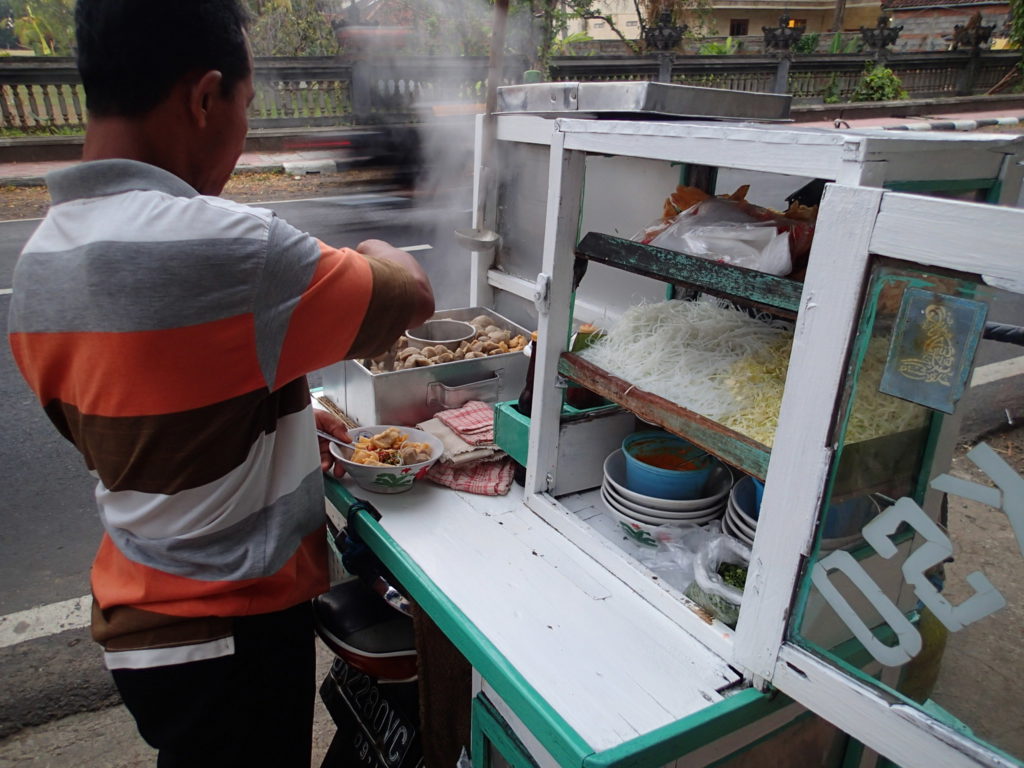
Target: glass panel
[(917, 578)]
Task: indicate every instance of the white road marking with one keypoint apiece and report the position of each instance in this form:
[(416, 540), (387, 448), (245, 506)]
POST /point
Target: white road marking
[(1004, 369), (45, 620)]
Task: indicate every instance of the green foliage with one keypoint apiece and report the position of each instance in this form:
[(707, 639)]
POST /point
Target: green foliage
[(808, 43), (45, 26), (290, 28), (7, 38), (727, 47), (561, 46), (830, 93), (42, 130), (878, 83), (1017, 27), (849, 45)]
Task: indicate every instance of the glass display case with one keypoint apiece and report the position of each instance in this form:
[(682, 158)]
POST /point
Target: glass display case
[(585, 652)]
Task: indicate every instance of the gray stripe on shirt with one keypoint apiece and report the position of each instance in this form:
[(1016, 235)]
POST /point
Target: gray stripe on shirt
[(241, 551), (99, 178), (124, 287), (292, 259)]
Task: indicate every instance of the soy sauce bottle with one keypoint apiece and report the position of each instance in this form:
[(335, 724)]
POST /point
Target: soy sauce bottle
[(525, 402)]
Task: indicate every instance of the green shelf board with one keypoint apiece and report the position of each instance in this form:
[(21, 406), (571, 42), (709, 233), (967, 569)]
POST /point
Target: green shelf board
[(778, 295), (735, 449)]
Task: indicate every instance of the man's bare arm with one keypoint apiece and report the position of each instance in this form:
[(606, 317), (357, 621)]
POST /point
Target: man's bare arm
[(424, 299)]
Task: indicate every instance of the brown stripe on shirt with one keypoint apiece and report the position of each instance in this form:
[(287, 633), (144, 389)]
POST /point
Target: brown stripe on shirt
[(123, 628), (171, 452), (390, 310)]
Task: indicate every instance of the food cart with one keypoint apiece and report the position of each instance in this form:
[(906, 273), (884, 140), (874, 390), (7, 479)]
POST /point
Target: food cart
[(582, 654)]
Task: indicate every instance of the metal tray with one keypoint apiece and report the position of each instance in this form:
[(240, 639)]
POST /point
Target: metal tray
[(405, 398), (641, 98)]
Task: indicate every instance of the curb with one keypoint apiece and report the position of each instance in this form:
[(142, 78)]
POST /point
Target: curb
[(308, 167), (956, 125)]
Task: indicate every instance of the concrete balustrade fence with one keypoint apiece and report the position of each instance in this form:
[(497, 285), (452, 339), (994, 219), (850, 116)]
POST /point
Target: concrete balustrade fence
[(45, 95)]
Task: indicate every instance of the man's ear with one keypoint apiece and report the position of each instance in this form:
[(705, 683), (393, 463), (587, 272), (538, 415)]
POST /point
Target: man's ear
[(202, 95)]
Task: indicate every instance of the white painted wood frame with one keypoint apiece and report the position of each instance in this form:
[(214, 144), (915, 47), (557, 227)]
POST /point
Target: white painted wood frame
[(802, 454), (962, 236), (565, 194), (855, 221)]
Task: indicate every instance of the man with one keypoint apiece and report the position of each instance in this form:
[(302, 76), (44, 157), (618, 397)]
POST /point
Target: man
[(167, 334)]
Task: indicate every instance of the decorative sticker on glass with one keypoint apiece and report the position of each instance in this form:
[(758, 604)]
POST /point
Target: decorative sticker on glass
[(933, 348)]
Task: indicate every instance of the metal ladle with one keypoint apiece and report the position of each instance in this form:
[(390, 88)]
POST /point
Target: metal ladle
[(346, 448), (482, 240)]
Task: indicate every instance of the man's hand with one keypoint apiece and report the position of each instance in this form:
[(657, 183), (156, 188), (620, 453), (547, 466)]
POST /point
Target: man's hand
[(424, 308), (328, 422)]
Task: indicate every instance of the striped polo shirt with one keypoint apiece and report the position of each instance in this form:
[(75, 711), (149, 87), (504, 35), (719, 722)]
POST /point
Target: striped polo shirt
[(167, 335)]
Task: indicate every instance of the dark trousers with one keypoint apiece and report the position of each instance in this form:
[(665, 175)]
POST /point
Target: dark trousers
[(253, 708)]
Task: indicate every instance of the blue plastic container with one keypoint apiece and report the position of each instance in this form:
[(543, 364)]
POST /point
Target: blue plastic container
[(758, 495), (848, 517), (641, 448)]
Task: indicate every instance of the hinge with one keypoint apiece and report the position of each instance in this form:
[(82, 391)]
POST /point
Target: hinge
[(542, 293)]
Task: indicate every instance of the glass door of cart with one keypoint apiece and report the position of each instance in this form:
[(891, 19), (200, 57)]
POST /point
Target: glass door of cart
[(893, 604)]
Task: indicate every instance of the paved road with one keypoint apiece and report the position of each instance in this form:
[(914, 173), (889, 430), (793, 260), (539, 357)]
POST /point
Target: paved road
[(49, 525), (50, 528)]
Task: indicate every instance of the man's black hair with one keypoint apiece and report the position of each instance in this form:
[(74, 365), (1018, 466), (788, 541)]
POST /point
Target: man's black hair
[(132, 52)]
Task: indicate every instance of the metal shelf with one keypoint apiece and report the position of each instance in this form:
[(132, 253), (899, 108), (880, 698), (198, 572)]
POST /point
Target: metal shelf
[(778, 295), (744, 454)]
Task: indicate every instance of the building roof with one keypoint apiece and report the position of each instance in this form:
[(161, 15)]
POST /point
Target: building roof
[(896, 5)]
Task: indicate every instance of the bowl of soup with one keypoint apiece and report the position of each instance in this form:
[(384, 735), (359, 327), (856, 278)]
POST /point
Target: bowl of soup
[(665, 466)]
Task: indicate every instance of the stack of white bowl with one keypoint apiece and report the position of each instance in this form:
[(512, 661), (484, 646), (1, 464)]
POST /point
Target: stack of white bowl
[(646, 517), (740, 519), (842, 525)]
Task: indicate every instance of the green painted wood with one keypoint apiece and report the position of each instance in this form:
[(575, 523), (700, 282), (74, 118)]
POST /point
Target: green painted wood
[(675, 740), (479, 752), (557, 736), (747, 455), (779, 295), (489, 727), (776, 734)]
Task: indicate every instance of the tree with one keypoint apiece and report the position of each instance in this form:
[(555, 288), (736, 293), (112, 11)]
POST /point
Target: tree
[(647, 13), (1016, 27), (290, 28), (7, 37), (45, 26)]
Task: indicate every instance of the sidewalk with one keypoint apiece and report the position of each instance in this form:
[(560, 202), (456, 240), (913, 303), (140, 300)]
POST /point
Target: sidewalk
[(939, 121), (315, 161)]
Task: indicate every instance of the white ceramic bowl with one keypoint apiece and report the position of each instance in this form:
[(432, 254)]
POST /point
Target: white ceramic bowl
[(645, 534), (660, 517), (447, 333), (717, 487), (728, 528), (389, 479), (743, 500), (737, 522)]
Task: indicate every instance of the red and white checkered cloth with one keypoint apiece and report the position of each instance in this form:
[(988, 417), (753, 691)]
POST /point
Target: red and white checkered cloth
[(487, 478), (473, 422)]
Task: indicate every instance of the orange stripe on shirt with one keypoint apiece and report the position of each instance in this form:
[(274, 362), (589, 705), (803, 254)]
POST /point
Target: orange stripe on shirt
[(116, 580), (325, 321), (142, 373)]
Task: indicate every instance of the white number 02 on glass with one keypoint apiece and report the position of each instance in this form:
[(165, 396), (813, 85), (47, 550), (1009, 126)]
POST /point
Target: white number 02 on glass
[(1008, 496)]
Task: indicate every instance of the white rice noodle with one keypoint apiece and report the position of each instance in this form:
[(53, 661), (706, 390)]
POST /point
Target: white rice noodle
[(684, 350), (730, 367)]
